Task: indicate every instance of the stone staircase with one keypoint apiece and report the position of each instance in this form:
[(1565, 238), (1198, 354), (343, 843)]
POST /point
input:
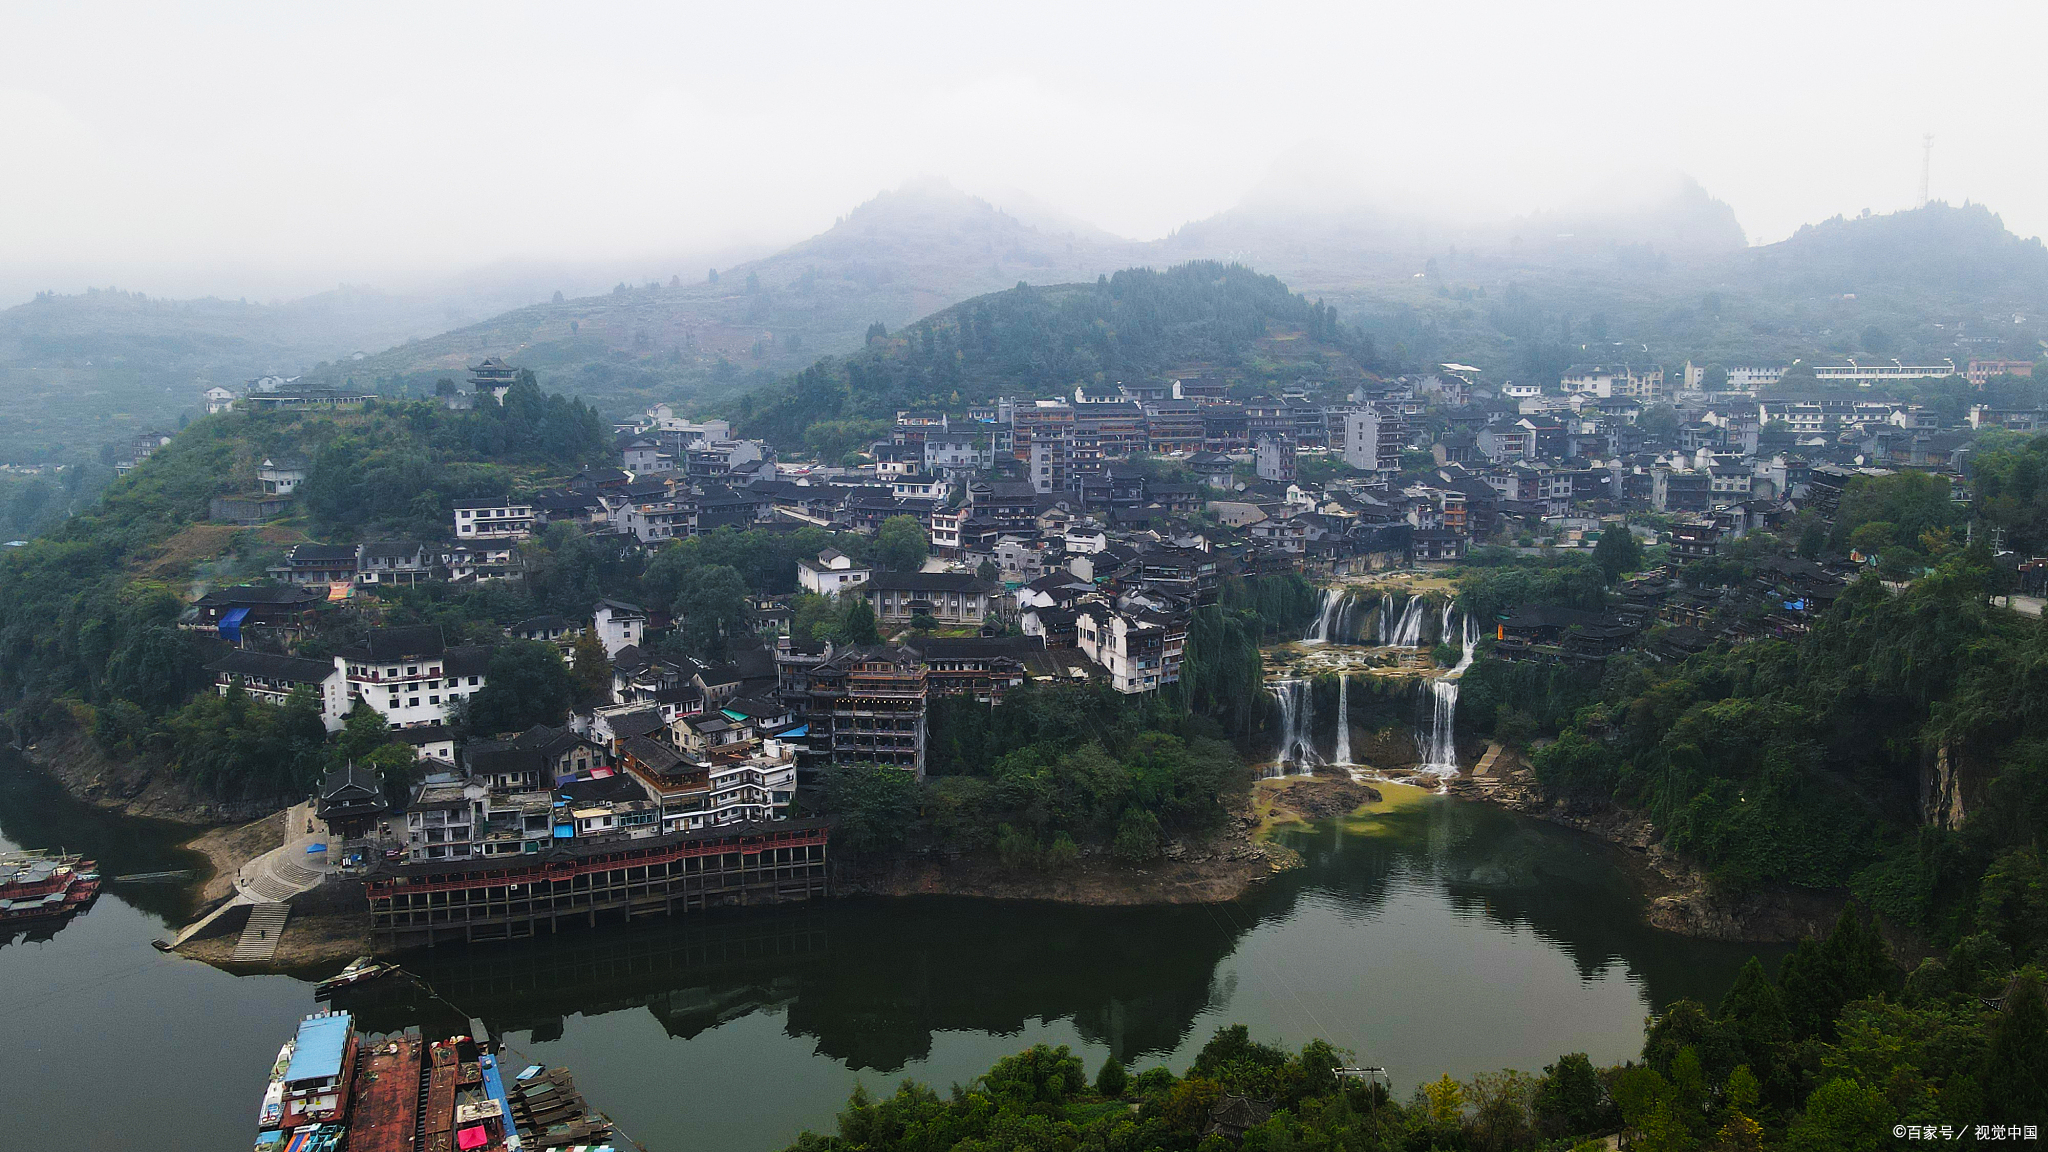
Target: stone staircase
[(1491, 767), (259, 937)]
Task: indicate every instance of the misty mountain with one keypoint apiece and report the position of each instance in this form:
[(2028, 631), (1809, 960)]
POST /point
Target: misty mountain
[(898, 257), (81, 370), (1665, 278), (1337, 240), (1964, 251)]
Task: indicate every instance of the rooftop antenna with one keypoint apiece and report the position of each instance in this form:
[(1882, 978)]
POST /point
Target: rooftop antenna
[(1926, 162)]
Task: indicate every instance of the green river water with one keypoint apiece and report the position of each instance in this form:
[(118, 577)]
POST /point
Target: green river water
[(1444, 937)]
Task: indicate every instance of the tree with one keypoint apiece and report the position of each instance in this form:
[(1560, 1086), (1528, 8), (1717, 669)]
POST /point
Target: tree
[(901, 544), (1137, 836), (591, 675), (987, 572), (1842, 1116), (2016, 1073), (1570, 1100), (1618, 552), (711, 606), (1112, 1079), (857, 624), (875, 806), (526, 684)]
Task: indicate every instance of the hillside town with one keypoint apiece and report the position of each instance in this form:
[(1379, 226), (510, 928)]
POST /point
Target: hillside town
[(1070, 539)]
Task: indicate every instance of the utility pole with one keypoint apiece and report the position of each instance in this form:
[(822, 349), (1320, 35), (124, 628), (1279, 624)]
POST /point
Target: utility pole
[(1926, 162)]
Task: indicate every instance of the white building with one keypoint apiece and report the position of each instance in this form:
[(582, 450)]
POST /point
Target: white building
[(1371, 440), (834, 572), (502, 519), (619, 625), (1868, 373), (410, 675), (1140, 651), (271, 679), (218, 399), (1631, 381), (1750, 377), (957, 452)]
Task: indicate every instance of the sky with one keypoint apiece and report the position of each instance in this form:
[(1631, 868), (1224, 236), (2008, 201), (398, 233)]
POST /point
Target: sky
[(263, 149)]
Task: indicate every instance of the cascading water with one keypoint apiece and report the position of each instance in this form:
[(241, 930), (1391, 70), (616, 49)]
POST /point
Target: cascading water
[(1297, 725), (1441, 756), (1408, 633), (1343, 721), (1332, 606)]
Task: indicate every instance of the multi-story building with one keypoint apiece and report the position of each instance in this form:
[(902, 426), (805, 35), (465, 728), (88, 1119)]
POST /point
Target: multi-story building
[(948, 597), (1749, 377), (318, 564), (494, 519), (1051, 459), (1033, 420), (619, 625), (957, 453), (280, 476), (1141, 651), (393, 562), (857, 705), (1604, 381), (1225, 427), (1275, 459), (410, 675), (1173, 427), (1681, 490), (1980, 371), (834, 572), (1871, 373), (982, 667), (272, 679), (1371, 439)]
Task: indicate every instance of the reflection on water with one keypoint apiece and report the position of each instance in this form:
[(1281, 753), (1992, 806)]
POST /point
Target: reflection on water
[(1441, 937)]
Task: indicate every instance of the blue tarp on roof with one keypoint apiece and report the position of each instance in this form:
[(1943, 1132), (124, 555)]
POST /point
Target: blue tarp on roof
[(231, 625), (799, 730), (322, 1041)]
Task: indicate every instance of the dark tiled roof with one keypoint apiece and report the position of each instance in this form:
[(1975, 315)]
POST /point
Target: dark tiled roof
[(468, 660), (242, 662), (976, 647), (250, 595), (637, 723), (655, 757), (928, 582), (386, 644)]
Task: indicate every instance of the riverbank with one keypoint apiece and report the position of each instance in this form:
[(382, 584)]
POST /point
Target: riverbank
[(136, 787), (1680, 897)]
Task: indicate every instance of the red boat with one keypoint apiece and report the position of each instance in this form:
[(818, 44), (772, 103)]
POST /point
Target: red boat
[(36, 886)]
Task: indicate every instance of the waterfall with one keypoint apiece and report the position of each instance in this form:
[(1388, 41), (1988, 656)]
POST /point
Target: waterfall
[(1441, 757), (1343, 720), (1386, 622), (1297, 724), (1408, 633), (1333, 603)]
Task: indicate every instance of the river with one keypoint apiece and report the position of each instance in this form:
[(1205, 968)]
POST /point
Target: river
[(1443, 936)]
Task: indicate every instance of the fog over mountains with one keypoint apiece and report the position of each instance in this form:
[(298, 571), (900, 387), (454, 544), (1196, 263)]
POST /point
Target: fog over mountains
[(93, 365)]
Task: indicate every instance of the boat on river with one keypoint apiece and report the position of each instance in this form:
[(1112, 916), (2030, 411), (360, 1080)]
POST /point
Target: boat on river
[(39, 886), (361, 970), (332, 1089)]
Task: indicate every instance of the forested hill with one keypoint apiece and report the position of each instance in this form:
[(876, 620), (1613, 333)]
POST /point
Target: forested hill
[(710, 333), (78, 371), (88, 609), (1962, 251), (1197, 319)]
